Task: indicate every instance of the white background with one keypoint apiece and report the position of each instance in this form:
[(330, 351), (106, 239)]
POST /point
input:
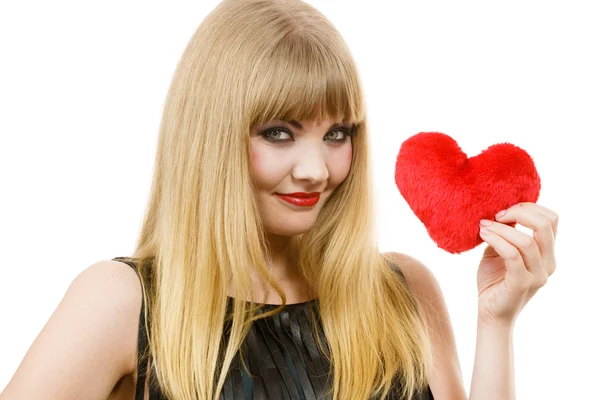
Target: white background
[(82, 86)]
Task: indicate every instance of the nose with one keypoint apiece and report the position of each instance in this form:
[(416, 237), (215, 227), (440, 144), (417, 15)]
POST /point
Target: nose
[(311, 166)]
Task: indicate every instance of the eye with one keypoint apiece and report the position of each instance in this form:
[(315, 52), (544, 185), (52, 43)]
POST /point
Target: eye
[(270, 135), (345, 135)]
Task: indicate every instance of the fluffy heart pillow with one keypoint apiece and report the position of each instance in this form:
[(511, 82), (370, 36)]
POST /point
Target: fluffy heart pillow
[(450, 192)]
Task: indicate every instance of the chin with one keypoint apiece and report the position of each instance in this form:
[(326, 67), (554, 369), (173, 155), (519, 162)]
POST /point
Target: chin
[(290, 229)]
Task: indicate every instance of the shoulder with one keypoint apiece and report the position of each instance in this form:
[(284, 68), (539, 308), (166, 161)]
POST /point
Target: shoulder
[(116, 288), (445, 376), (114, 272), (89, 343), (423, 283), (418, 276), (119, 286), (117, 281)]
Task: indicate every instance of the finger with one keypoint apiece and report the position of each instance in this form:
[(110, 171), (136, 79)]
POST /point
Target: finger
[(541, 226), (525, 244), (551, 215), (517, 274)]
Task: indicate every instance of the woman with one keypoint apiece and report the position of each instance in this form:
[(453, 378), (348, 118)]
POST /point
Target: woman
[(246, 293), (215, 227)]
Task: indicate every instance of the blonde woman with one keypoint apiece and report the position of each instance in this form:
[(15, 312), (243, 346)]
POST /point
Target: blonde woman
[(237, 291)]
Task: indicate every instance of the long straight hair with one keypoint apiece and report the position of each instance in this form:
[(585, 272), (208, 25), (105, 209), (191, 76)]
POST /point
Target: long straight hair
[(248, 62)]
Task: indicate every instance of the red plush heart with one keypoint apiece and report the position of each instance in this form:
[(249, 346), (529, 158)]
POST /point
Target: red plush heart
[(450, 192)]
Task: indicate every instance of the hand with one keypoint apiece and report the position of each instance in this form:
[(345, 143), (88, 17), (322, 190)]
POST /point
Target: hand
[(515, 265)]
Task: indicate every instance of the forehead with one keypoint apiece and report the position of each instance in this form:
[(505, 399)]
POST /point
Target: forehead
[(302, 124), (306, 124)]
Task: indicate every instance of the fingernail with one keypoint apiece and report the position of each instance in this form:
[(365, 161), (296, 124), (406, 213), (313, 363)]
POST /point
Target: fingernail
[(501, 214), (485, 222)]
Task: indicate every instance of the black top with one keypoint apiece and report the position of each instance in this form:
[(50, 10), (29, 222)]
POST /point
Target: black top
[(280, 352)]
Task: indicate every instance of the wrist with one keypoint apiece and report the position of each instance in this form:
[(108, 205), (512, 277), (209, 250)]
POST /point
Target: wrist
[(495, 325)]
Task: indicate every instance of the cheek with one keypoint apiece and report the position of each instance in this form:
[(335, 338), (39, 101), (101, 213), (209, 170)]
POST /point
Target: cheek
[(339, 164), (265, 167)]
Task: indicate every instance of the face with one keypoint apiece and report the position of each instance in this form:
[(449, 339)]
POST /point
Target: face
[(297, 156)]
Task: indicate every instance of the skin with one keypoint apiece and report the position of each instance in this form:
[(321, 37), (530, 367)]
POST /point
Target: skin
[(513, 268), (304, 159), (515, 265)]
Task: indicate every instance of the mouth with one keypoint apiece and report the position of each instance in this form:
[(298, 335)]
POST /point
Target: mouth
[(300, 194), (300, 199)]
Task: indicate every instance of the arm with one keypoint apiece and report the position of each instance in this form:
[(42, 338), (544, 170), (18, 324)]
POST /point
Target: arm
[(444, 376), (493, 372), (505, 285), (88, 344), (513, 268)]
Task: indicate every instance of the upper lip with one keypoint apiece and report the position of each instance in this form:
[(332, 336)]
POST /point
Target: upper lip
[(301, 194)]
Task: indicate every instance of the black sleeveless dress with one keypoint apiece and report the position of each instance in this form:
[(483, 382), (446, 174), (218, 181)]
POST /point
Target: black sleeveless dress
[(280, 351)]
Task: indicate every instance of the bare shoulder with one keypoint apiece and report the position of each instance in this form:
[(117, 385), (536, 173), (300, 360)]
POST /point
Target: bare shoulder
[(422, 282), (89, 343), (130, 293), (418, 276), (445, 376)]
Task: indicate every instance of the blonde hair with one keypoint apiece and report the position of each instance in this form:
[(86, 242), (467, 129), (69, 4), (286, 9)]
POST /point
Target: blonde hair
[(248, 62)]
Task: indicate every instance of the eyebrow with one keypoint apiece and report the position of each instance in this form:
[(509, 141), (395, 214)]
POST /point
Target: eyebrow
[(299, 125)]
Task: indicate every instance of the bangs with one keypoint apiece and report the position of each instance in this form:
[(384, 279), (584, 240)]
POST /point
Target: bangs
[(304, 80)]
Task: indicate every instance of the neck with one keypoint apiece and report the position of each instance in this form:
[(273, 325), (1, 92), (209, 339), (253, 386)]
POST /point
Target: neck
[(284, 269)]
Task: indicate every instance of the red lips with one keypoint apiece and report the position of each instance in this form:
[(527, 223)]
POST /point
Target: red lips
[(300, 199), (300, 194)]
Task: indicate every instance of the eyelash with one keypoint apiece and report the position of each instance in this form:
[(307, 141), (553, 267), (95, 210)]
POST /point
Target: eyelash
[(347, 134)]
